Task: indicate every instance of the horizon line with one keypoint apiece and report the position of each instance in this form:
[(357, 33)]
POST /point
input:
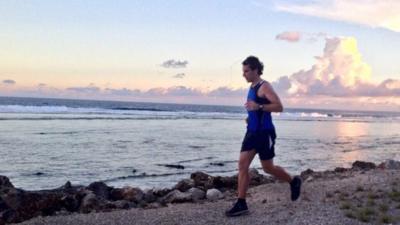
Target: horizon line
[(197, 104)]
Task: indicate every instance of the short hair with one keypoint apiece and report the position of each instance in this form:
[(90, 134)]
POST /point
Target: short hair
[(254, 63)]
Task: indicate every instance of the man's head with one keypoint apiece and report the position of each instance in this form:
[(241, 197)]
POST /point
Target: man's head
[(252, 68)]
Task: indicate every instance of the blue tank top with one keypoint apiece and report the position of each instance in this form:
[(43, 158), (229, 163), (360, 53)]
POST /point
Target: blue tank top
[(258, 119)]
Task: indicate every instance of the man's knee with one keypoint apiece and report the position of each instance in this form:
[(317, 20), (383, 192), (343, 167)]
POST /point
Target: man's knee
[(243, 166), (268, 168), (245, 160)]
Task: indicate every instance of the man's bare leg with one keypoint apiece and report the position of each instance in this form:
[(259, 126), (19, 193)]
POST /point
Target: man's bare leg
[(281, 174), (277, 171), (240, 207), (245, 159)]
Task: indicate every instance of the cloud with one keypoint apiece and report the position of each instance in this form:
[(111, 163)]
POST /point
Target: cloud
[(282, 85), (383, 96), (9, 82), (91, 89), (182, 91), (176, 91), (227, 92), (296, 36), (290, 36), (389, 87), (372, 13), (172, 63), (355, 103), (156, 91), (123, 92), (179, 75), (339, 72)]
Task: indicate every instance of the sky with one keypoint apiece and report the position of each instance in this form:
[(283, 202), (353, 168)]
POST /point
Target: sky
[(331, 54)]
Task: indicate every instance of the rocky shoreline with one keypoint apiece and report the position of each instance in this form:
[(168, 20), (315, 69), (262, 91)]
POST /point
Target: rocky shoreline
[(17, 205)]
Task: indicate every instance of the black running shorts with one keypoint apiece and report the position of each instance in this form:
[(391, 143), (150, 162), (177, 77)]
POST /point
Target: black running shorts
[(262, 141)]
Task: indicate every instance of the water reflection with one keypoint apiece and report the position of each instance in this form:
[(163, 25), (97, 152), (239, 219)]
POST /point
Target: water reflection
[(345, 129), (351, 134)]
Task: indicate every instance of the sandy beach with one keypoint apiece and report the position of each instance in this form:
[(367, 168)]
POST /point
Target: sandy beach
[(354, 196)]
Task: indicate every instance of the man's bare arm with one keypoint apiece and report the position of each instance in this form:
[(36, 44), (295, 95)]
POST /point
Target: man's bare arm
[(268, 92)]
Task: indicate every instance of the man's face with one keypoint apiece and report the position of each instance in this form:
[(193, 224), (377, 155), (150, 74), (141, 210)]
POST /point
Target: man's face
[(249, 74)]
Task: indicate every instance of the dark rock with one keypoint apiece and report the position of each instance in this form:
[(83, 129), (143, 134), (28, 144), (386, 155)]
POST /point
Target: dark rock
[(5, 184), (217, 164), (100, 189), (108, 206), (381, 166), (201, 179), (341, 169), (90, 203), (68, 189), (225, 182), (142, 204), (132, 194), (9, 216), (82, 192), (122, 204), (116, 194), (205, 181), (391, 164), (253, 172), (149, 196), (28, 204), (70, 202), (184, 185), (3, 205), (176, 196), (255, 177), (363, 165), (306, 173), (159, 192), (67, 185), (172, 166)]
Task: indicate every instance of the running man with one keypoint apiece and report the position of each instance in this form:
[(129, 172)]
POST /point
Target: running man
[(260, 136)]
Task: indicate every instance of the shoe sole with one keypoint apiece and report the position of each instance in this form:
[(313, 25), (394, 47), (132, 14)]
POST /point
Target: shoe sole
[(244, 212)]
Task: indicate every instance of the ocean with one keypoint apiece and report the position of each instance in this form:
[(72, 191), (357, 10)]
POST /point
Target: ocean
[(46, 142)]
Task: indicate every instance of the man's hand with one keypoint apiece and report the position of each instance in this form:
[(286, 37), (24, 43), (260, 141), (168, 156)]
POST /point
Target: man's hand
[(251, 106)]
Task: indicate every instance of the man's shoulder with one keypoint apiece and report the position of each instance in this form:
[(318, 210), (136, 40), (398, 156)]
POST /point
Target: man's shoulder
[(265, 82), (266, 85)]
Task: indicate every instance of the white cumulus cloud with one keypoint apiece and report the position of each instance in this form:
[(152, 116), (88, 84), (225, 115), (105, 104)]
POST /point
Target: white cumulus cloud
[(340, 71)]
